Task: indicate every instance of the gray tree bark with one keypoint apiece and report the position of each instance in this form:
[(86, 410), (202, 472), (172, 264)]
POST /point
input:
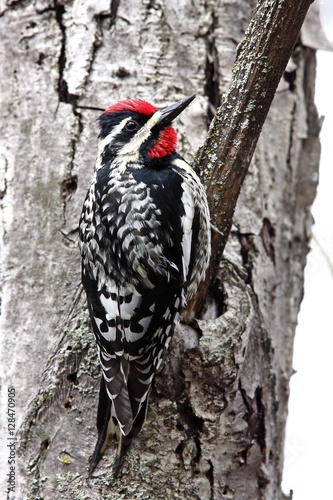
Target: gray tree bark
[(216, 420)]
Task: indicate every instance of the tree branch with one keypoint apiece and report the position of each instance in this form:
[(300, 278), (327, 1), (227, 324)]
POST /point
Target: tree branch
[(261, 59)]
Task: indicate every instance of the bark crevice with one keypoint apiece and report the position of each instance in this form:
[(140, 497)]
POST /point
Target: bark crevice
[(212, 83)]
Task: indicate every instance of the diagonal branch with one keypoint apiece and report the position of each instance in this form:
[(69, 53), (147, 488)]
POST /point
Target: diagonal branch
[(260, 62)]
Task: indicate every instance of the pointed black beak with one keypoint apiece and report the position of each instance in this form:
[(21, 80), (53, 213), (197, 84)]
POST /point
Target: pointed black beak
[(171, 112)]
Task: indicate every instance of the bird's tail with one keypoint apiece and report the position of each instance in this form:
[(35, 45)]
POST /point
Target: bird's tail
[(125, 441), (103, 418), (107, 426), (124, 444)]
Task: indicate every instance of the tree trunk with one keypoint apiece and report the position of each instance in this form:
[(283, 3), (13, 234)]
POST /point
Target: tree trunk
[(216, 419)]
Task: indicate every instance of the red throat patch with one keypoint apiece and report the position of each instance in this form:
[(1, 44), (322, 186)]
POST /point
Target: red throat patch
[(135, 105), (165, 144)]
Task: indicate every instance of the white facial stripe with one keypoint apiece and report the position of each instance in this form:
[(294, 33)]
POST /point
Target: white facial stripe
[(132, 148), (187, 223), (109, 138)]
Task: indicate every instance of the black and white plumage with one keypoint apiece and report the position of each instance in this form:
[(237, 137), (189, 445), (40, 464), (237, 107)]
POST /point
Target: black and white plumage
[(145, 245)]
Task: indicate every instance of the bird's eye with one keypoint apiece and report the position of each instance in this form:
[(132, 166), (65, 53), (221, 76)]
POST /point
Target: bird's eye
[(131, 126)]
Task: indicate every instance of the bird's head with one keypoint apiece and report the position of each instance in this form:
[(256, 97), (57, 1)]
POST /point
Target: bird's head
[(134, 128)]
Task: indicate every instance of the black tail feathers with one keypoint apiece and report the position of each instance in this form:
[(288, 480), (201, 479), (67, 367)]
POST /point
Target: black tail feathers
[(124, 443)]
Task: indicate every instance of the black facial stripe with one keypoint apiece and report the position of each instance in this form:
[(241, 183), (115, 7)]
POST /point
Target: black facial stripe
[(108, 121)]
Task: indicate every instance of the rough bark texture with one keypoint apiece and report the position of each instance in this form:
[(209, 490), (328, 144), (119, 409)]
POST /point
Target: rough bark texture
[(217, 413), (260, 63)]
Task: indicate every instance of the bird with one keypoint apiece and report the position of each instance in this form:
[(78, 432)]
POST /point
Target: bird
[(144, 237)]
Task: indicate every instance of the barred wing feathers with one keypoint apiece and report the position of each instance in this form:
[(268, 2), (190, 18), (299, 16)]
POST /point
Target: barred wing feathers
[(142, 259)]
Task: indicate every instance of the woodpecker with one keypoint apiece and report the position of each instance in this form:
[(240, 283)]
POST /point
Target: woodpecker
[(145, 247)]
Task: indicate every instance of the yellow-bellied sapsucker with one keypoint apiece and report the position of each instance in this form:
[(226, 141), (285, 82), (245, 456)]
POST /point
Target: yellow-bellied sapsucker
[(145, 245)]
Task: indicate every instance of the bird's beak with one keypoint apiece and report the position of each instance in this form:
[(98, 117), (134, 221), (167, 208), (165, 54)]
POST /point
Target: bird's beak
[(169, 113)]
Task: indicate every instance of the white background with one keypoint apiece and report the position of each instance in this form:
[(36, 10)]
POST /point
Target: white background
[(309, 438)]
